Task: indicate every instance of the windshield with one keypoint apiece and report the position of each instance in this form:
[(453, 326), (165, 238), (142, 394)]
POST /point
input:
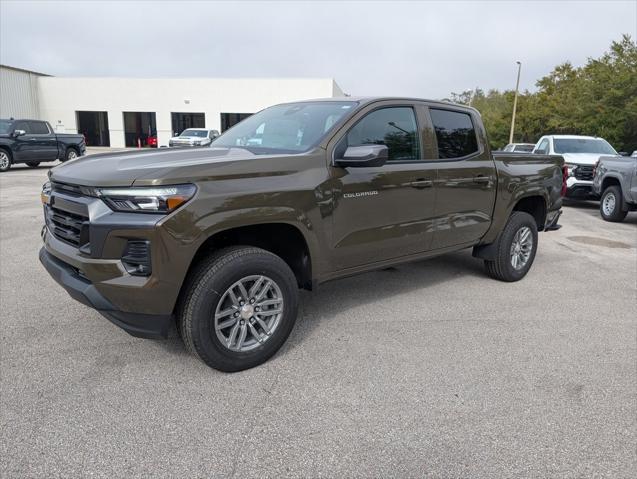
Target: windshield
[(6, 127), (583, 145), (197, 133), (290, 128)]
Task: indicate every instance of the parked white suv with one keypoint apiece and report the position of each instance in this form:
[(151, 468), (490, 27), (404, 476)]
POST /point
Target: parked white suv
[(581, 154), (194, 137)]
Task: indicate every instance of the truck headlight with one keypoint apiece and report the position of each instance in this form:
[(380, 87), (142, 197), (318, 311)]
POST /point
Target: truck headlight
[(45, 194), (153, 199), (571, 169)]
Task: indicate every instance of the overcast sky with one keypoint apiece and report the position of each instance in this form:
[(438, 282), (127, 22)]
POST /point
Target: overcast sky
[(424, 49)]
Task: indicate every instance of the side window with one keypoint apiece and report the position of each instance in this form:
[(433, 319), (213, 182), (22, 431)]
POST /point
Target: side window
[(394, 127), (455, 133), (544, 146), (23, 125), (38, 128)]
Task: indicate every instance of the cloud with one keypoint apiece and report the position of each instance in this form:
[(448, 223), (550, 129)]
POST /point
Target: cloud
[(424, 49)]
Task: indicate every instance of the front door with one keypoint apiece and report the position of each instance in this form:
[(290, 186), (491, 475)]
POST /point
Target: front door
[(383, 212), (24, 147), (466, 182)]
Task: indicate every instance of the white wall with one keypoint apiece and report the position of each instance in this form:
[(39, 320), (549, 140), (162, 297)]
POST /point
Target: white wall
[(60, 98)]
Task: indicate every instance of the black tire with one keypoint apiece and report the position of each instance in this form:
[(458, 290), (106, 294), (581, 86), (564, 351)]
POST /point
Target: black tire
[(5, 160), (501, 267), (206, 287), (612, 210), (33, 164), (70, 154)]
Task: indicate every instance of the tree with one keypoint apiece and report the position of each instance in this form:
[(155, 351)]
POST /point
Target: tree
[(599, 99)]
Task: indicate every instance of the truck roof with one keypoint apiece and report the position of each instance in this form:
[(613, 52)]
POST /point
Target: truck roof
[(574, 137), (371, 99)]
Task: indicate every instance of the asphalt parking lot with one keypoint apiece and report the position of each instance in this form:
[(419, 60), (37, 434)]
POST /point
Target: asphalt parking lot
[(424, 370)]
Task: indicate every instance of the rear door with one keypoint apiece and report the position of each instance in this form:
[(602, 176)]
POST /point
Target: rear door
[(466, 183), (45, 146), (382, 212)]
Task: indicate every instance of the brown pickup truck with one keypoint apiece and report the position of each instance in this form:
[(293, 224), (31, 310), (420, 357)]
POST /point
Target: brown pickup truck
[(218, 240)]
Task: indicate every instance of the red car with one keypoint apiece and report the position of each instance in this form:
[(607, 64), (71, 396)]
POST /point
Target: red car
[(151, 141)]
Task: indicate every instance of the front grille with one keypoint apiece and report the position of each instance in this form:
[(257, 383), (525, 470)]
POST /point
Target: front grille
[(68, 227), (584, 172)]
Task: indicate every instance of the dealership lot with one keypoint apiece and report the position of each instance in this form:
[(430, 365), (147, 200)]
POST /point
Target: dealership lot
[(425, 369)]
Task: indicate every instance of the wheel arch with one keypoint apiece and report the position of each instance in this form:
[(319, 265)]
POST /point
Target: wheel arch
[(610, 180), (283, 239), (535, 205)]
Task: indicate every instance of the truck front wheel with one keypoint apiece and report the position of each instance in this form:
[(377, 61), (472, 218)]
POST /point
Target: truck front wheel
[(610, 206), (238, 308), (515, 250), (5, 160)]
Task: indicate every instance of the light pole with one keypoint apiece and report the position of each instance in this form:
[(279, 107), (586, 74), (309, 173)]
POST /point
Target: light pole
[(515, 103)]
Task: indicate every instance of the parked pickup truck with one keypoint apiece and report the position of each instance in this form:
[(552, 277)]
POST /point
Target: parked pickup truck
[(218, 240), (616, 182), (580, 153), (33, 141)]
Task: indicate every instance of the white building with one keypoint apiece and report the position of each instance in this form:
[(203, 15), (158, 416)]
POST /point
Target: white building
[(120, 112)]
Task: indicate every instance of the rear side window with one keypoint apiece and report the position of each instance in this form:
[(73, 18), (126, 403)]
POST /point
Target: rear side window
[(394, 127), (38, 128), (455, 133)]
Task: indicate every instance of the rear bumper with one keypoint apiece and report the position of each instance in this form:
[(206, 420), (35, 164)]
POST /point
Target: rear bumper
[(82, 290)]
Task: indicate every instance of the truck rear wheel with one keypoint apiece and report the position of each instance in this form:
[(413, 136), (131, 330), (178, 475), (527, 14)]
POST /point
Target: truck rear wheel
[(71, 154), (611, 205), (238, 309), (5, 160), (516, 248)]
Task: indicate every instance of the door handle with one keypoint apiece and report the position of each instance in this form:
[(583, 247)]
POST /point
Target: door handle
[(481, 179), (421, 183)]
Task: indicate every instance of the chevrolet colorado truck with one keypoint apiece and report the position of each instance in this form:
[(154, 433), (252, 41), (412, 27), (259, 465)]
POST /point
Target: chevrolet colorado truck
[(615, 181), (219, 240), (33, 141)]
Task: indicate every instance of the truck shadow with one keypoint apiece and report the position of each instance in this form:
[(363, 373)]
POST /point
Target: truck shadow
[(334, 298)]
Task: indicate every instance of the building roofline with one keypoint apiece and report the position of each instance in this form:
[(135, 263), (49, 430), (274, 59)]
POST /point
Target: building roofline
[(24, 70)]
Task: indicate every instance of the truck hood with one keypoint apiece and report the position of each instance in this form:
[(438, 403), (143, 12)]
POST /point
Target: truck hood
[(582, 158), (154, 167)]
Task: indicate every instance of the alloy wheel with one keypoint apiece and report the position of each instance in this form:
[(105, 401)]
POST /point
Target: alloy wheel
[(4, 160), (521, 247), (248, 313)]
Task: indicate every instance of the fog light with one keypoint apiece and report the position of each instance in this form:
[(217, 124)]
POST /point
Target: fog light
[(136, 258)]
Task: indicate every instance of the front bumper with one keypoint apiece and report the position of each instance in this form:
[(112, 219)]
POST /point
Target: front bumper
[(579, 189), (85, 244), (82, 290)]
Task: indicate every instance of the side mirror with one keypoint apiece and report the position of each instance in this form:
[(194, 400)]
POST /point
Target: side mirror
[(17, 133), (622, 153), (540, 152), (363, 156)]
